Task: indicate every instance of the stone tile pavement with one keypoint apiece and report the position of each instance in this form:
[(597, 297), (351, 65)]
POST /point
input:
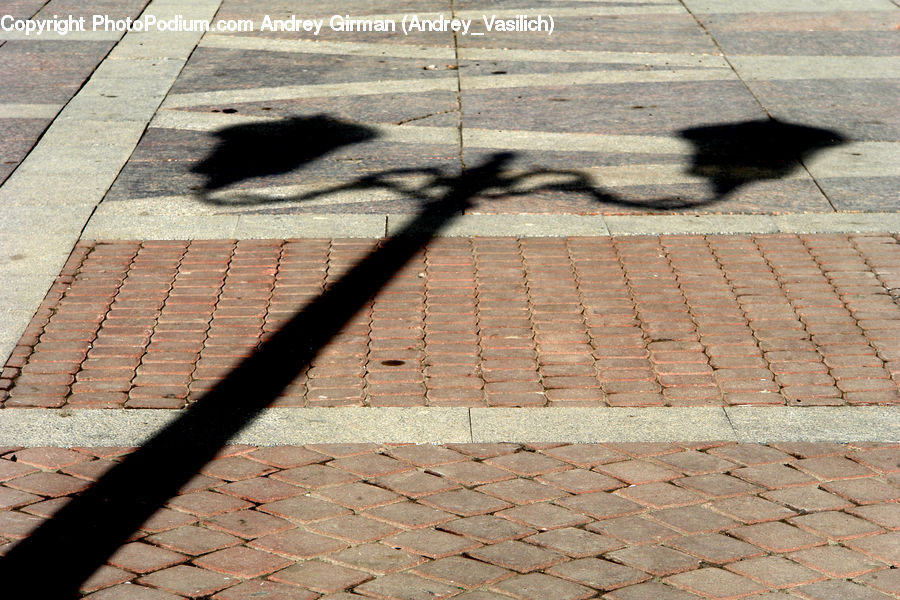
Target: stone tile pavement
[(494, 521), (622, 321), (183, 196)]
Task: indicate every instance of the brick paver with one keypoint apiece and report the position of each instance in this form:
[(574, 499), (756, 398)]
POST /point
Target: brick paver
[(351, 535), (156, 324)]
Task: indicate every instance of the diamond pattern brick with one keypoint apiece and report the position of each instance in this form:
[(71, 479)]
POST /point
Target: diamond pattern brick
[(187, 581), (576, 543), (659, 495), (584, 455), (304, 509), (716, 583), (637, 472), (260, 490), (693, 519), (787, 529), (517, 556), (751, 509), (864, 491), (10, 469), (371, 465), (426, 455), (286, 457), (397, 586), (193, 540), (774, 476), (601, 505), (16, 525), (885, 515), (358, 496), (51, 485), (581, 481), (808, 499), (521, 491), (831, 468), (487, 529), (320, 576), (144, 558), (883, 546), (883, 460), (207, 504), (775, 572), (471, 473), (235, 468), (315, 476), (242, 562), (297, 544), (466, 503), (691, 462), (836, 561), (430, 543), (257, 588), (887, 581), (248, 524), (543, 516), (104, 577), (718, 485), (634, 530), (656, 560), (462, 572), (751, 454), (538, 586), (126, 591), (836, 526), (528, 464), (377, 559), (415, 484), (49, 458), (598, 573), (716, 548), (836, 588), (651, 590), (355, 529), (409, 515), (777, 537)]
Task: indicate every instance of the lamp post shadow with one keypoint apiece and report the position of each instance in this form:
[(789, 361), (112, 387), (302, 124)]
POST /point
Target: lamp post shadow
[(85, 532)]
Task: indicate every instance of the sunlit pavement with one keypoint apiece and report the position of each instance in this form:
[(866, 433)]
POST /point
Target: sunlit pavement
[(646, 321)]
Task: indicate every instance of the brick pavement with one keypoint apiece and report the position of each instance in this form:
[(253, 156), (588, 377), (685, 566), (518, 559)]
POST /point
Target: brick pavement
[(495, 521), (623, 321)]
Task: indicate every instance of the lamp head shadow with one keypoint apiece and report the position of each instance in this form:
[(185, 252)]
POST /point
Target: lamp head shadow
[(275, 147), (735, 154)]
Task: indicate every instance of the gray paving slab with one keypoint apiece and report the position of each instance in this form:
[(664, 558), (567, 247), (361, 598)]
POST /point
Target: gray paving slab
[(776, 6), (119, 223), (512, 225), (644, 224), (275, 426), (815, 423)]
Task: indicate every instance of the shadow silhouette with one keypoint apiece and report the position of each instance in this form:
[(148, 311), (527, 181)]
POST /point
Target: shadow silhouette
[(729, 156), (84, 533), (271, 148), (736, 154)]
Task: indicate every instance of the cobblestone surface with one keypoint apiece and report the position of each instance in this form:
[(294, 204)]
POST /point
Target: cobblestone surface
[(526, 521), (624, 321)]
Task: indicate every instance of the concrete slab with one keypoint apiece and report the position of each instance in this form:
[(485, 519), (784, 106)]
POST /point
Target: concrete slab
[(512, 225), (277, 426), (596, 424), (663, 224), (815, 423)]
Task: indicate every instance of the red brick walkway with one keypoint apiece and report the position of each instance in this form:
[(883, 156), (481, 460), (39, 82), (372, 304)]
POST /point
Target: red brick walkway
[(627, 321), (399, 522)]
